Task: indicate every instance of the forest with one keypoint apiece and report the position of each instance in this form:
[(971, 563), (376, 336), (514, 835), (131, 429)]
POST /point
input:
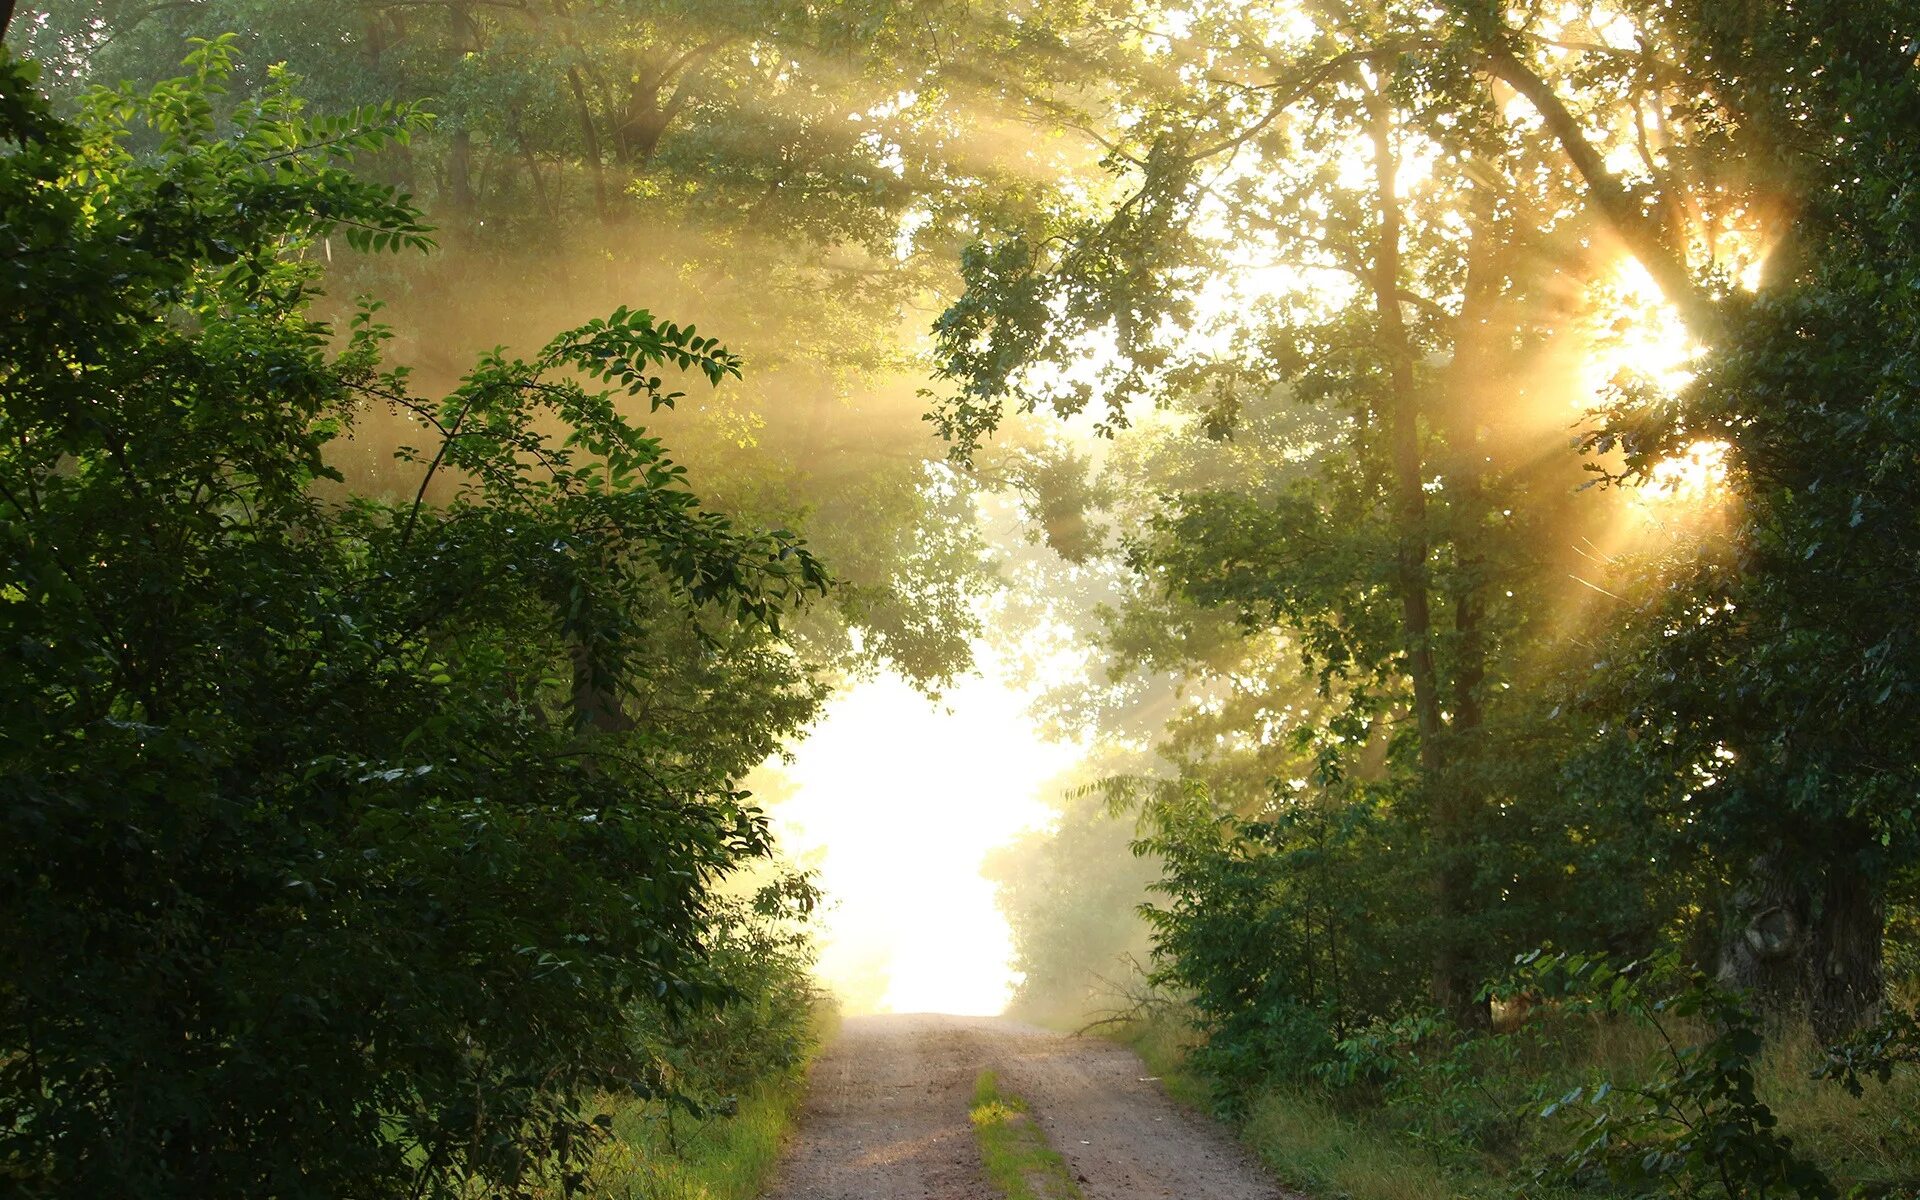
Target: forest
[(1451, 470)]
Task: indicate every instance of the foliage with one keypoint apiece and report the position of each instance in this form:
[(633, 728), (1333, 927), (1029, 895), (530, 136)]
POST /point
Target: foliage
[(690, 107), (1069, 895), (1368, 499), (1464, 1099), (1395, 696), (757, 166), (1410, 1108), (1532, 712), (1696, 1128), (1294, 855), (334, 852), (760, 950), (1809, 383), (1646, 765), (1264, 928), (1875, 1051), (734, 1077), (1310, 1140), (726, 1157)]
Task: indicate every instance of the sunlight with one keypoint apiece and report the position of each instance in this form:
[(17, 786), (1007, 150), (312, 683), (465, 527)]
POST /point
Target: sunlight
[(1635, 338), (1635, 333), (896, 800), (1695, 477)]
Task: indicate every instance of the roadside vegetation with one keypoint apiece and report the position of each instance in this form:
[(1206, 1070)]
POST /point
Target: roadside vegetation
[(1490, 649), (378, 686), (355, 845), (1414, 1141), (738, 1077), (1014, 1150)]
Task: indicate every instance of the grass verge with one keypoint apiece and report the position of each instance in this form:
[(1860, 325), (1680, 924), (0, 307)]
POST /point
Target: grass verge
[(658, 1153), (1304, 1141), (1018, 1160), (1360, 1150)]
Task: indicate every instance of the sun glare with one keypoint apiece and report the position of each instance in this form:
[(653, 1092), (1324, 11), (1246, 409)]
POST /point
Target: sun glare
[(1636, 338), (1691, 478), (1634, 332)]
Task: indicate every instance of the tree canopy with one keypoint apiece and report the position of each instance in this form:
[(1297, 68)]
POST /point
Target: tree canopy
[(1436, 197)]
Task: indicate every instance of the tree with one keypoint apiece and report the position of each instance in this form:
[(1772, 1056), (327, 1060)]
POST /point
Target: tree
[(349, 843), (1766, 136), (761, 166), (1465, 176), (1390, 539)]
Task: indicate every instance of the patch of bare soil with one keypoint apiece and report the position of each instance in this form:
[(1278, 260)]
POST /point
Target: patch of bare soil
[(886, 1117)]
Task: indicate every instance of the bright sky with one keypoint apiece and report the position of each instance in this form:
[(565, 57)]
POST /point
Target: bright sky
[(896, 799)]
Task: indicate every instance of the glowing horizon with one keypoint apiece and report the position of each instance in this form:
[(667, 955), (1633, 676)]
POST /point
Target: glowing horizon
[(896, 800)]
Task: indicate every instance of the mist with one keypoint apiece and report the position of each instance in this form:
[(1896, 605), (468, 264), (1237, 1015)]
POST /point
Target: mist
[(580, 567)]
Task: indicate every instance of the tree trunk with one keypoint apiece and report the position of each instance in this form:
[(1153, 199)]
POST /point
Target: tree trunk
[(1453, 983), (596, 700), (1459, 800), (1845, 975), (1468, 377), (1638, 230), (588, 133), (539, 184), (642, 124), (659, 90), (460, 150), (1810, 941), (1765, 938)]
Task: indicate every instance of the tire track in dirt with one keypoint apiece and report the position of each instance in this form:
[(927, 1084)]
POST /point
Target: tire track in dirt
[(886, 1117)]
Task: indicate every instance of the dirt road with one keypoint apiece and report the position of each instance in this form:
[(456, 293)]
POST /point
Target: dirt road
[(886, 1117)]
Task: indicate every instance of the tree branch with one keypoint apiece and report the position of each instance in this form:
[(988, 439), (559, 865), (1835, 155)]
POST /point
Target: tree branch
[(1633, 225)]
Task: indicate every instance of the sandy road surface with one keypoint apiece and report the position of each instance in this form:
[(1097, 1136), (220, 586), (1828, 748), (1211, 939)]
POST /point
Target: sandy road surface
[(886, 1117)]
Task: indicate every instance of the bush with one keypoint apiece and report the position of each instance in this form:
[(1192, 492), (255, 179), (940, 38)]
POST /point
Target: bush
[(1071, 896), (760, 955), (1696, 1126), (1281, 940), (731, 1077), (1465, 1098)]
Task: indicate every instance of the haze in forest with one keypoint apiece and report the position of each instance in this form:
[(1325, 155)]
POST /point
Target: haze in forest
[(549, 551)]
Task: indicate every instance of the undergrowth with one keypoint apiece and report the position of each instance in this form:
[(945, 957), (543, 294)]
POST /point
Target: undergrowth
[(1542, 1110), (1298, 1133), (661, 1150), (726, 1080)]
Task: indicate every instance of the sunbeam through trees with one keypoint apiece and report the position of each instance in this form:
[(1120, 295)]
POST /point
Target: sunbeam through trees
[(550, 548)]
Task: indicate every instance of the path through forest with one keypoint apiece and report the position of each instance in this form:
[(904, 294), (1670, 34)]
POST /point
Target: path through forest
[(886, 1117)]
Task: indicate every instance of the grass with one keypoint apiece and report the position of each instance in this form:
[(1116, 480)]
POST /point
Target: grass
[(657, 1153), (1018, 1160), (1346, 1148), (1872, 1143), (1304, 1141), (1320, 1150)]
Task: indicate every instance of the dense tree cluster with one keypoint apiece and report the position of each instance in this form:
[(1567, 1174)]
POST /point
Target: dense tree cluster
[(769, 165), (1354, 278), (352, 846)]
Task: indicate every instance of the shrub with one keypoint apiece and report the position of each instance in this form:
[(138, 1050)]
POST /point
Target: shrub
[(1694, 1127)]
